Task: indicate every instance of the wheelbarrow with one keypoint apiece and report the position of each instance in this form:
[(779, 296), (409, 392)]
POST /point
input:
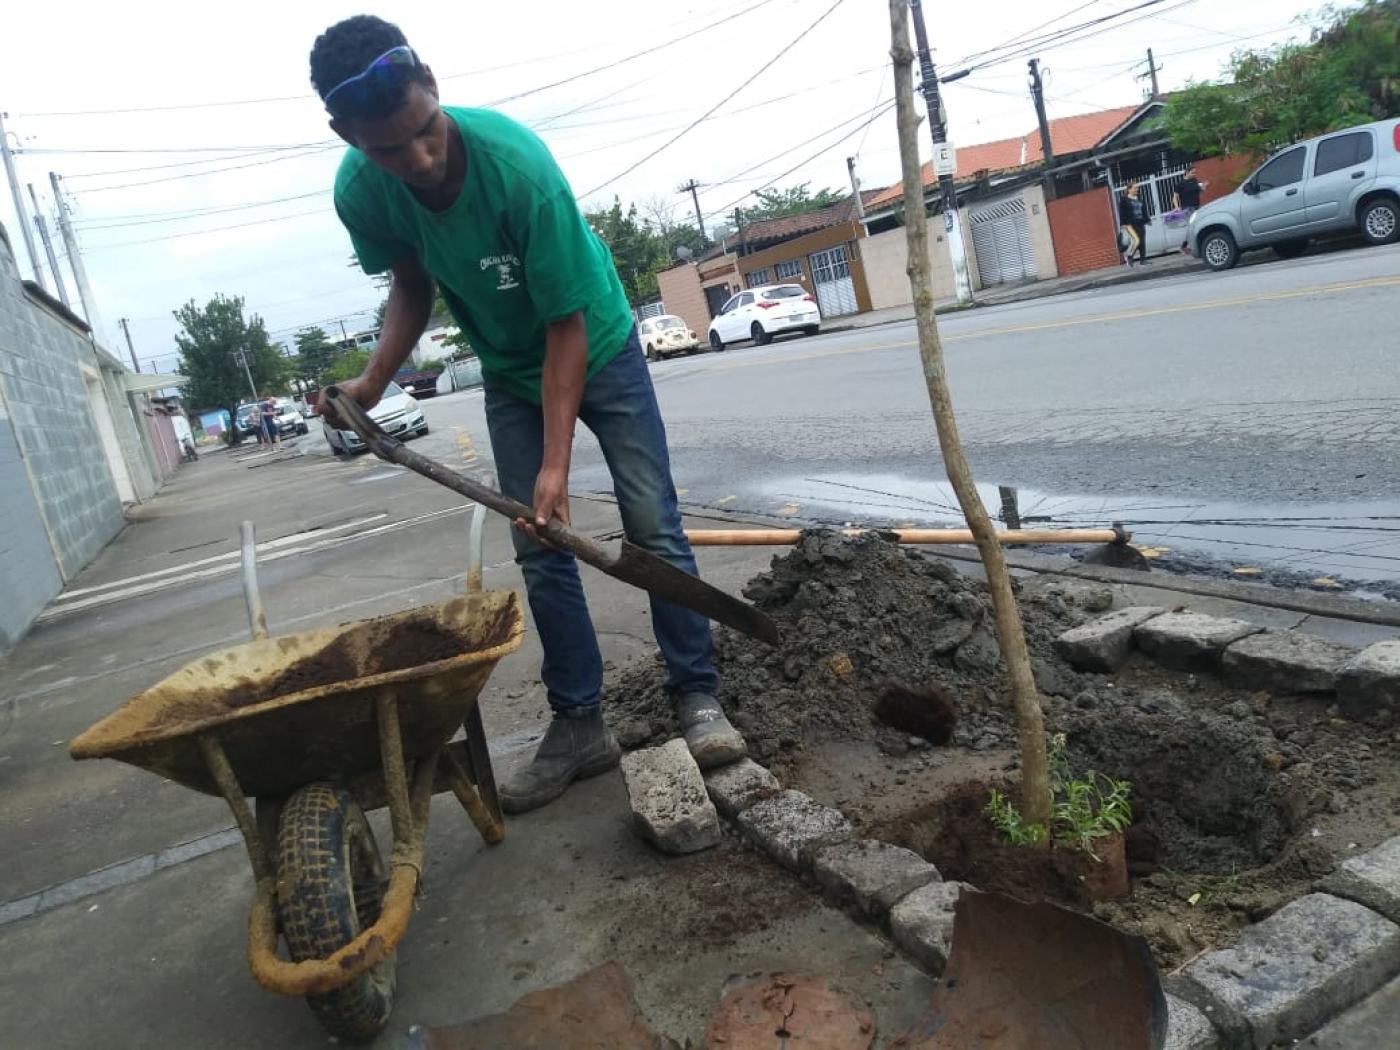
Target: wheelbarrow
[(321, 727)]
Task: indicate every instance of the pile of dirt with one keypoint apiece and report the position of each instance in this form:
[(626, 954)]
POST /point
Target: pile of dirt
[(412, 643), (858, 617)]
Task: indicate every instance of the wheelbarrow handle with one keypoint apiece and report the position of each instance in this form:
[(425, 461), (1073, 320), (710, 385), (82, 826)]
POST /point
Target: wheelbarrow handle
[(390, 448)]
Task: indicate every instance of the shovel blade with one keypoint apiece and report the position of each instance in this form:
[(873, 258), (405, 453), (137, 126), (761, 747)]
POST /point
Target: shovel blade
[(659, 577), (1041, 977)]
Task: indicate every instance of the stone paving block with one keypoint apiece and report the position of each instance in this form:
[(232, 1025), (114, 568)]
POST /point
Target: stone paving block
[(1188, 1028), (1187, 641), (668, 799), (1372, 879), (1305, 963), (1285, 662), (870, 874), (1369, 1025), (1370, 681), (1102, 645), (790, 827), (737, 786), (922, 923)]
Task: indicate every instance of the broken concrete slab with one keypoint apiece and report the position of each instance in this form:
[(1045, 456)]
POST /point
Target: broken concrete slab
[(765, 1011), (1187, 641), (1370, 681), (737, 786), (1372, 879), (790, 827), (1103, 644), (922, 923), (1285, 662), (1188, 1028), (667, 794), (1371, 1023), (596, 1010), (1309, 960), (870, 875)]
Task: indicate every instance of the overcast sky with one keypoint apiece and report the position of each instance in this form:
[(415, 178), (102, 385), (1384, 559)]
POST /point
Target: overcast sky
[(134, 105)]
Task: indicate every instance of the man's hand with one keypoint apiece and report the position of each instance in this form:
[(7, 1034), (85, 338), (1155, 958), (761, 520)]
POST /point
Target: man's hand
[(551, 501)]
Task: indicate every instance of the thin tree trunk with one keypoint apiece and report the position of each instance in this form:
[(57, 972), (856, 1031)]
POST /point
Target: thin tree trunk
[(1035, 781)]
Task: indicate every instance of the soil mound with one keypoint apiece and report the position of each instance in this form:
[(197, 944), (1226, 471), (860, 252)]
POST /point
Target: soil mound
[(861, 618)]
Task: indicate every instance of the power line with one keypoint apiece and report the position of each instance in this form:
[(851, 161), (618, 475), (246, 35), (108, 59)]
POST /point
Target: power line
[(212, 229), (214, 171), (699, 120), (266, 148), (1022, 35), (162, 217)]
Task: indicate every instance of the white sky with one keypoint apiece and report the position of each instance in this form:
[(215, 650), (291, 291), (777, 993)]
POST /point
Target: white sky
[(290, 259)]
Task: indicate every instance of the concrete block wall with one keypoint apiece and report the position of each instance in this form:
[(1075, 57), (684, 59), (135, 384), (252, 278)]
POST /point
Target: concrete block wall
[(1038, 224), (1084, 231)]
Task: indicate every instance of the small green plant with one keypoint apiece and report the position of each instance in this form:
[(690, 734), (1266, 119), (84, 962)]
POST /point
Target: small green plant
[(1083, 809)]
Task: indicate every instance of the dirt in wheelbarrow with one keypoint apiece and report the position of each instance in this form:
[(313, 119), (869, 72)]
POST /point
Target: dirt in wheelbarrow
[(411, 643), (1241, 799)]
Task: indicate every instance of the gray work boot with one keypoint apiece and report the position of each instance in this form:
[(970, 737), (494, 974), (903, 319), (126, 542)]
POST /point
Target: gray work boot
[(708, 734), (576, 745)]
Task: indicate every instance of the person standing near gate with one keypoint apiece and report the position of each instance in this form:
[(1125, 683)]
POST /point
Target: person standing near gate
[(1188, 198), (1132, 215), (472, 202)]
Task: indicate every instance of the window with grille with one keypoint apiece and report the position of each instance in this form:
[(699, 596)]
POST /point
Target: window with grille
[(758, 277), (791, 268)]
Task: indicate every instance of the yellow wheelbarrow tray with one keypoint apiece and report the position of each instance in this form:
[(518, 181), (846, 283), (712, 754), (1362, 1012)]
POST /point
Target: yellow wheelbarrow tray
[(219, 725)]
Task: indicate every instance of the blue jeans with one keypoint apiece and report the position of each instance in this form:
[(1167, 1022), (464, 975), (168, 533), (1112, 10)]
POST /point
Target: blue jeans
[(619, 406)]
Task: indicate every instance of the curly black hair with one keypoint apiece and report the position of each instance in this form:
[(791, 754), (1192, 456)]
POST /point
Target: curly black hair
[(345, 50)]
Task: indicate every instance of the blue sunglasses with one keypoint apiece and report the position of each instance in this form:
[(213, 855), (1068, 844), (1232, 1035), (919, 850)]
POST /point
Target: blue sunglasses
[(386, 73)]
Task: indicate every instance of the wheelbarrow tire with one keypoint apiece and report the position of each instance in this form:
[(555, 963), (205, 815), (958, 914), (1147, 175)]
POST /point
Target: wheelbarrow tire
[(330, 886)]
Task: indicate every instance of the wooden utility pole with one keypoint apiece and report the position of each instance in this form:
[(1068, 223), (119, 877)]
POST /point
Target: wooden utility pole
[(693, 188), (1152, 70), (855, 191), (130, 349), (1011, 637)]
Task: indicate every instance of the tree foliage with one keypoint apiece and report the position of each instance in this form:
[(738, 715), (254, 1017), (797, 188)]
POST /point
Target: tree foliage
[(315, 352), (209, 340), (643, 246), (348, 365), (1349, 73), (794, 200)]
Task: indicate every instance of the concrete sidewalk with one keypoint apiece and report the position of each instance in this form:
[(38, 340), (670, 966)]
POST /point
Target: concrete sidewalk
[(998, 295), (137, 892)]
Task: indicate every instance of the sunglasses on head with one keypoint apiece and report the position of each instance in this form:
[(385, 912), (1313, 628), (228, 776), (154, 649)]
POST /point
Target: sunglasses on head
[(388, 72)]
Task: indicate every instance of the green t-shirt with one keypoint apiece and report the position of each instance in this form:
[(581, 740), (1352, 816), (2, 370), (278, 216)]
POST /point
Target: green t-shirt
[(511, 254)]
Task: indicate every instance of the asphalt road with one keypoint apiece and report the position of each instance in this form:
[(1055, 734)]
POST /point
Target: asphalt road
[(1242, 398)]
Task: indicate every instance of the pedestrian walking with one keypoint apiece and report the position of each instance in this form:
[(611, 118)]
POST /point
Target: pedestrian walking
[(1187, 197), (268, 412), (474, 202), (1132, 218)]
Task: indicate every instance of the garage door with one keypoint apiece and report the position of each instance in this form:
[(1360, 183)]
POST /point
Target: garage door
[(831, 273), (1002, 240)]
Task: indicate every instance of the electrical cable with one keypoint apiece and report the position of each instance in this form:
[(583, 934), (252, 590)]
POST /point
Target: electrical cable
[(152, 218), (699, 120), (212, 229)]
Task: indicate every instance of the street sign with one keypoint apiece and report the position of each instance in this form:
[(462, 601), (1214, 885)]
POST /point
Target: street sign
[(945, 160)]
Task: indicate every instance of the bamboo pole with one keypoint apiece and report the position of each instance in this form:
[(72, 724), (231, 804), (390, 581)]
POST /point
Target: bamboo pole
[(928, 537), (1011, 637)]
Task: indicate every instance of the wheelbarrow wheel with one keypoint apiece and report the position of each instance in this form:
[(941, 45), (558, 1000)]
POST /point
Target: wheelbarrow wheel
[(330, 885)]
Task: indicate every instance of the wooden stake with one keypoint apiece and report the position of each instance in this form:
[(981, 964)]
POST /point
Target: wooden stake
[(1011, 637), (787, 537)]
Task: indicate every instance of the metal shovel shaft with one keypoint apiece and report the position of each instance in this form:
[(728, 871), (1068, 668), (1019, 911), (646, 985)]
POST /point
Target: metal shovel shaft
[(631, 564)]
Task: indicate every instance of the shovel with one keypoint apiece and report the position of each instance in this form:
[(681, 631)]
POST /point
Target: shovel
[(630, 564)]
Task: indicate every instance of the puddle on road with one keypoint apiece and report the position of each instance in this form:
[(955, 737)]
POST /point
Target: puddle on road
[(1328, 546)]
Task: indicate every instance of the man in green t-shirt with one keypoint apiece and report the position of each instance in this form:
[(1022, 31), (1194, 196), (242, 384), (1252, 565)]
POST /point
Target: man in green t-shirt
[(472, 202)]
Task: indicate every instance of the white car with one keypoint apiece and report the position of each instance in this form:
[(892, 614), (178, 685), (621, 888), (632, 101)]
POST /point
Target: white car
[(761, 313), (397, 412), (665, 336)]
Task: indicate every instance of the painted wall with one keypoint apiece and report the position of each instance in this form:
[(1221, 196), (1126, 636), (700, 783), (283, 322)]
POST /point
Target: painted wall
[(1038, 224)]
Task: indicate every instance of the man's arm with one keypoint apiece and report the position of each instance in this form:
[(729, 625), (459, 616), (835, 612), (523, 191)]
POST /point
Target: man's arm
[(561, 390), (405, 319)]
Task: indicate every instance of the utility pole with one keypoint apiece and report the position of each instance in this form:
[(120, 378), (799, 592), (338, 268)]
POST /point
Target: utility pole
[(1047, 148), (692, 187), (1152, 70), (743, 234), (241, 356), (344, 335), (126, 331), (855, 190), (9, 159), (43, 227), (939, 130), (75, 257)]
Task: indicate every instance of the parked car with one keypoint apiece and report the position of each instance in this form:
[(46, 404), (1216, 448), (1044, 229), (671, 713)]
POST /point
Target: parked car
[(1345, 181), (761, 313), (249, 420), (420, 382), (665, 336), (289, 417), (397, 412)]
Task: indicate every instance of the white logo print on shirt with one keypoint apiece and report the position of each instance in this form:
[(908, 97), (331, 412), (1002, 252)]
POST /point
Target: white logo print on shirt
[(505, 268)]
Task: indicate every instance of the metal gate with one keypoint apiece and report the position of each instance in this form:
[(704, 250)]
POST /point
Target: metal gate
[(1156, 193), (831, 273), (1001, 238), (649, 310)]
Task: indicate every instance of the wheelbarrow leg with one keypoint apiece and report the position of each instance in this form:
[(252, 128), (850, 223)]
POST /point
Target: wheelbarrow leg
[(492, 828), (478, 762)]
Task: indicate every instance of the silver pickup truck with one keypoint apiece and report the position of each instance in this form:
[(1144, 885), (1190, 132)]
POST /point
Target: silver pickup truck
[(1347, 180)]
